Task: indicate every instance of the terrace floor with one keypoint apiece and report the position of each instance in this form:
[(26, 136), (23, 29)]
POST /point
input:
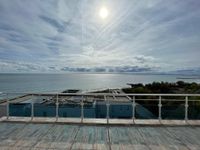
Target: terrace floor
[(28, 135)]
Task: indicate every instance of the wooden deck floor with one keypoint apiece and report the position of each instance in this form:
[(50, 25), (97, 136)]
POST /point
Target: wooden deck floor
[(57, 136)]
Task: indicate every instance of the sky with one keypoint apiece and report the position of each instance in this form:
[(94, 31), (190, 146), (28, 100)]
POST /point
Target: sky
[(70, 36)]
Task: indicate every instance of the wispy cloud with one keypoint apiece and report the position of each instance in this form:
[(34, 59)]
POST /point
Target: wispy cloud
[(137, 36)]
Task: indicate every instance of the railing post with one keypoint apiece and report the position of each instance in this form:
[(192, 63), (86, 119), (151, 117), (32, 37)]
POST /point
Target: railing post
[(82, 111), (107, 109), (32, 108), (160, 108), (57, 105), (133, 105), (186, 108), (7, 106)]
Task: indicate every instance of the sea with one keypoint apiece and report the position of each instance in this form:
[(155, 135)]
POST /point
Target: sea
[(86, 82)]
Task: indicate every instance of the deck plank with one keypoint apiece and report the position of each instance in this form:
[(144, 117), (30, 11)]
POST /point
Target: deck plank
[(62, 136), (91, 137)]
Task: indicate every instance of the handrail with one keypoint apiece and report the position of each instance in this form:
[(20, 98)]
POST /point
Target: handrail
[(132, 100)]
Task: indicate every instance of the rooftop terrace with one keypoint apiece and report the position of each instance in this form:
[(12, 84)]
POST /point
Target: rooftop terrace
[(124, 121), (59, 136)]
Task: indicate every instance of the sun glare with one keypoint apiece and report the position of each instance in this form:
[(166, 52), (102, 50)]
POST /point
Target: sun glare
[(103, 13)]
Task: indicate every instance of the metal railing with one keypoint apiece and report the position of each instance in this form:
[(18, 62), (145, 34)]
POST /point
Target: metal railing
[(108, 100)]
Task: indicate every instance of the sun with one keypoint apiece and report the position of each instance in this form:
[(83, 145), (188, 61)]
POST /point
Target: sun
[(103, 13)]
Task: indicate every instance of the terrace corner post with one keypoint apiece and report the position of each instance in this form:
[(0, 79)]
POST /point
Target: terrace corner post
[(160, 108), (32, 107), (107, 109), (57, 105), (7, 106), (82, 112), (133, 105), (186, 108)]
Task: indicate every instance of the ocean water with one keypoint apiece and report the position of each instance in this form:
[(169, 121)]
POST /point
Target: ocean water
[(60, 82)]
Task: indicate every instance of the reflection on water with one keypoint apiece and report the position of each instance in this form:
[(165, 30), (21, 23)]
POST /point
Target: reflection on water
[(60, 82)]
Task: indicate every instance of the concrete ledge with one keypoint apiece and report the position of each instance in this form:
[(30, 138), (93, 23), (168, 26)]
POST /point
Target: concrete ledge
[(91, 121), (94, 121), (194, 122), (174, 122), (121, 121)]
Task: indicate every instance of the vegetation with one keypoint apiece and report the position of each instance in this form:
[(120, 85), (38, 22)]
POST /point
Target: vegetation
[(176, 107), (179, 87), (164, 87), (172, 106)]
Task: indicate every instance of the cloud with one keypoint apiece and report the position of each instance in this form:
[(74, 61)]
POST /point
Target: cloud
[(109, 69), (59, 26), (9, 66), (137, 36), (187, 71)]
